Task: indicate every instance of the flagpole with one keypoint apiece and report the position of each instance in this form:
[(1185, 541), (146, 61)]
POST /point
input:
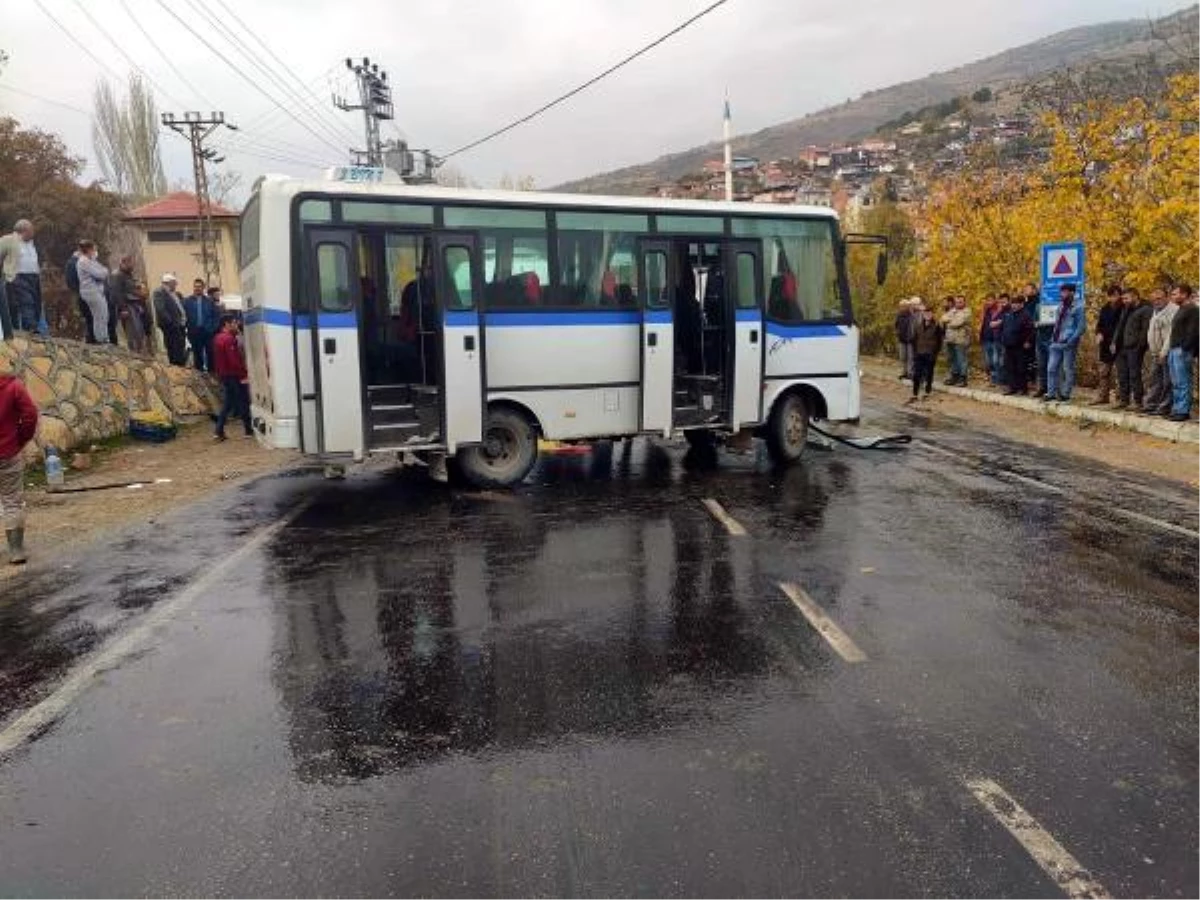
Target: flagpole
[(728, 152)]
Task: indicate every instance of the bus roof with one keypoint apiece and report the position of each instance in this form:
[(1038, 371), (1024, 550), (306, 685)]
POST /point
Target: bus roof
[(436, 193)]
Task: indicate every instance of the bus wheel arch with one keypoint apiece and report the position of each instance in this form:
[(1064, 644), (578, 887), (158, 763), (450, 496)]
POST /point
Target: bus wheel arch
[(786, 429), (509, 448)]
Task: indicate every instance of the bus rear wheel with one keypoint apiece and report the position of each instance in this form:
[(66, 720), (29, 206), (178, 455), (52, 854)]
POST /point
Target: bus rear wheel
[(508, 451), (787, 432)]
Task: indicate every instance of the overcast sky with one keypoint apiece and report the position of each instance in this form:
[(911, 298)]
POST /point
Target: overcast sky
[(464, 67)]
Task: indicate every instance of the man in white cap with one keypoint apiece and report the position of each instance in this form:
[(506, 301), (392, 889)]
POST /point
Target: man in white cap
[(172, 321)]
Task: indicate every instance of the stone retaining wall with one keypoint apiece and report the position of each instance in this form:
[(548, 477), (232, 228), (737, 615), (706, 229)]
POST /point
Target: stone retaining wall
[(86, 392)]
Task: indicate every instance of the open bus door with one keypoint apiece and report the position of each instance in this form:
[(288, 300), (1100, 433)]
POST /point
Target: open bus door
[(459, 288), (657, 337), (743, 264), (332, 330)]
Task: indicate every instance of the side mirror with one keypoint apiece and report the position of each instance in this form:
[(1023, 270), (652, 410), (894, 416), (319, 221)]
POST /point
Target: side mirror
[(881, 268)]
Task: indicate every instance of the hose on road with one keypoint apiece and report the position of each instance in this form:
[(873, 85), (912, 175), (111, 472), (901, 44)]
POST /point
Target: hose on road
[(882, 442)]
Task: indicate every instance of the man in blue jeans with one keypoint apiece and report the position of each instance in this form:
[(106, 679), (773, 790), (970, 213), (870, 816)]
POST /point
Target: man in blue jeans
[(1185, 343), (1069, 325)]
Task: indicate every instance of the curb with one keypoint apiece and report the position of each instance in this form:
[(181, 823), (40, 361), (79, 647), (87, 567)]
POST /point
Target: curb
[(1176, 432)]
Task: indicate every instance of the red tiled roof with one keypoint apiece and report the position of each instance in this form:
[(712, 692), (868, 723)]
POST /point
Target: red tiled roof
[(179, 205)]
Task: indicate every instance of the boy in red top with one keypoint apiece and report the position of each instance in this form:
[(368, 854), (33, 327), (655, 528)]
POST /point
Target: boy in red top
[(231, 369), (18, 422)]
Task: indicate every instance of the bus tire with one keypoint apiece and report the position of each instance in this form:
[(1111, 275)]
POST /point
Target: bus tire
[(787, 432), (508, 451), (700, 438)]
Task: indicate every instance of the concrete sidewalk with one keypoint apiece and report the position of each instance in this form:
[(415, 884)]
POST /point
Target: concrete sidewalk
[(1177, 432)]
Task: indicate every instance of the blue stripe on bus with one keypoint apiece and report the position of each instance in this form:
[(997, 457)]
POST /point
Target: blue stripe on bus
[(337, 320), (749, 315), (657, 317), (816, 330), (534, 319), (461, 319)]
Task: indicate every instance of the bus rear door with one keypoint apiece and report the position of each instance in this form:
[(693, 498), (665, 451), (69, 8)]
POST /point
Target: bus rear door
[(459, 288), (658, 337), (333, 329), (746, 336)]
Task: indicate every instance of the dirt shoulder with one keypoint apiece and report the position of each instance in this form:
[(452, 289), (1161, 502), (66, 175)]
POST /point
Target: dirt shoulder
[(195, 465), (1120, 449)]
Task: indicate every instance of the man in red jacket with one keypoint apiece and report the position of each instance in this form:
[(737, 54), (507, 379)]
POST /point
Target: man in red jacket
[(231, 369), (18, 422)]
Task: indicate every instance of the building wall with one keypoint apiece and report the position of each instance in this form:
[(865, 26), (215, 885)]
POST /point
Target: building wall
[(184, 258)]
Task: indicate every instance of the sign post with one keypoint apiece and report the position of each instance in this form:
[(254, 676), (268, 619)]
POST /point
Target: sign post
[(1061, 264)]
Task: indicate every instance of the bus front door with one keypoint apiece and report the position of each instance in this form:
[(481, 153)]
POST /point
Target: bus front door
[(658, 338), (459, 288), (333, 328), (745, 339)]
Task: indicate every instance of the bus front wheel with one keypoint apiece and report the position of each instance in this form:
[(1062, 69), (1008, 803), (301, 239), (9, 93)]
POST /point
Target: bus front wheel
[(507, 453), (787, 432)]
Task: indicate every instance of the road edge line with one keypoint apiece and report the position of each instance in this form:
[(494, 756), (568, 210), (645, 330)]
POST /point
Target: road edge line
[(52, 707)]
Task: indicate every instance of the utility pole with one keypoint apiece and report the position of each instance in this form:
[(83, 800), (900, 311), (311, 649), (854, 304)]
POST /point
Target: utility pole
[(197, 127), (728, 126), (375, 100)]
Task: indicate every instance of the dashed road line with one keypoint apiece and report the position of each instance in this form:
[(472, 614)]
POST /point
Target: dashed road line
[(1157, 523), (49, 710), (825, 626), (1055, 861), (732, 525)]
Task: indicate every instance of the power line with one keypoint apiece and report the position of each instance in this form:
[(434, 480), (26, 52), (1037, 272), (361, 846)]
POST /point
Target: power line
[(129, 59), (78, 43), (289, 93), (254, 84), (32, 95), (150, 43), (587, 84), (303, 85)]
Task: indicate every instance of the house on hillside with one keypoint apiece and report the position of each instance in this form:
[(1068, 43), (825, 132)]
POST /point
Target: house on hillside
[(168, 230)]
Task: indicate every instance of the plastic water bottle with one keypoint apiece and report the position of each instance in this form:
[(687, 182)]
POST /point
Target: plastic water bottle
[(54, 468)]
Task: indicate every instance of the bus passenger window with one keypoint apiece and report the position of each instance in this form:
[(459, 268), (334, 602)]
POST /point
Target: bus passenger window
[(333, 278), (458, 278)]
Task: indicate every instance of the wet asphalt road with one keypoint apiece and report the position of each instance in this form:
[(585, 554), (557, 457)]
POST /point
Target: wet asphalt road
[(589, 687)]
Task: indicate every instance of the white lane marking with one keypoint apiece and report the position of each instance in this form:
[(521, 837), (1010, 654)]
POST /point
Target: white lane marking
[(732, 525), (50, 709), (1032, 482), (825, 626), (1157, 523), (1061, 866)]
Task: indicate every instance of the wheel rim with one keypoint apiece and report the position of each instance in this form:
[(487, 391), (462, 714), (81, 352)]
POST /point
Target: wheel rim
[(499, 447), (793, 427)]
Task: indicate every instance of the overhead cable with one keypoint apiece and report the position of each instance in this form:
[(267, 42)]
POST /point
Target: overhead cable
[(587, 84), (250, 81), (251, 56)]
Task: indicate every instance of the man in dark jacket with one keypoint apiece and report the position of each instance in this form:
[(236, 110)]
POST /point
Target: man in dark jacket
[(18, 422), (1184, 344), (168, 310), (1017, 335), (905, 320), (231, 369), (203, 320), (1133, 339), (1106, 332), (927, 342)]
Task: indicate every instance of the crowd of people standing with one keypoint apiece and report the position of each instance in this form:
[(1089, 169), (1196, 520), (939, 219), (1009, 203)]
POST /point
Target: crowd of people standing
[(113, 304), (1030, 345)]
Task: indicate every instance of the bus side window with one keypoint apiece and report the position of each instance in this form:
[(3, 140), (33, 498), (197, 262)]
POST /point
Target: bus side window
[(333, 278), (658, 294), (458, 278)]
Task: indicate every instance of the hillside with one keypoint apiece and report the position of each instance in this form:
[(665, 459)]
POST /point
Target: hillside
[(1078, 47)]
